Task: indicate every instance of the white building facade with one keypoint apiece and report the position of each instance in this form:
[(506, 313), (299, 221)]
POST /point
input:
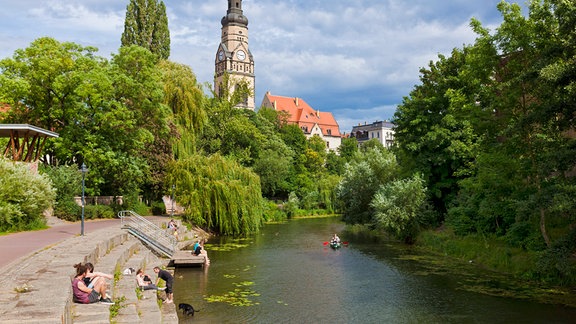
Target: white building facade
[(383, 131)]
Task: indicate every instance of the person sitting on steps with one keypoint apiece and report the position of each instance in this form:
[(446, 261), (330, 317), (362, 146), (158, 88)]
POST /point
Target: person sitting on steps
[(200, 251), (84, 295), (144, 281), (93, 277), (195, 246)]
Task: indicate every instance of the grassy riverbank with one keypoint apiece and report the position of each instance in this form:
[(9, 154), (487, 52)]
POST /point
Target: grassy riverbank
[(513, 269), (484, 265), (487, 251)]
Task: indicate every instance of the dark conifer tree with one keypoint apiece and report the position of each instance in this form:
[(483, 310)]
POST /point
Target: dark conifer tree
[(146, 25)]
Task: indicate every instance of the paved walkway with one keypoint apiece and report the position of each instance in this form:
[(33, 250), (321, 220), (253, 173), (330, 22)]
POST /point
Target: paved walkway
[(17, 245), (38, 262)]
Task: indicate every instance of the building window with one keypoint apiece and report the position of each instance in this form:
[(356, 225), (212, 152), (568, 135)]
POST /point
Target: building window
[(327, 144), (329, 131), (378, 134)]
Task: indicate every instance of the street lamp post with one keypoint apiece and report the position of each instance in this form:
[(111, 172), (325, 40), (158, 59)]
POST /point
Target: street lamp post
[(172, 199), (83, 169)]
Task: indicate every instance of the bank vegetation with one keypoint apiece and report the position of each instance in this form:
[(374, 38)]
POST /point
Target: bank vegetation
[(485, 146)]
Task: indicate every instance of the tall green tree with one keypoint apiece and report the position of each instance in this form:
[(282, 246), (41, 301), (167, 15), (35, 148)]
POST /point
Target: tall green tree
[(146, 25), (315, 154), (397, 207), (348, 148), (91, 103), (218, 193), (555, 29), (493, 126), (433, 134), (138, 86), (363, 176), (527, 154), (293, 136), (231, 131), (184, 96), (274, 161)]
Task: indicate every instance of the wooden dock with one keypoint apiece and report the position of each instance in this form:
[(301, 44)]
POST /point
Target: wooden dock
[(187, 259)]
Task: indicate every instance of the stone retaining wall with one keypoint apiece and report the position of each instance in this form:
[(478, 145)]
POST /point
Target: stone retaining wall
[(37, 289)]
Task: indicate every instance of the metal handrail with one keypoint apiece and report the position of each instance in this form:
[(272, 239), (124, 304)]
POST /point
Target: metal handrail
[(148, 231)]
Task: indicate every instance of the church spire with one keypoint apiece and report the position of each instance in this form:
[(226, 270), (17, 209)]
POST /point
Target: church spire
[(233, 56), (234, 15)]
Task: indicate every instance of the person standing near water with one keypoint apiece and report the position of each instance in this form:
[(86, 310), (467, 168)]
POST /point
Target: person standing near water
[(173, 228), (169, 279)]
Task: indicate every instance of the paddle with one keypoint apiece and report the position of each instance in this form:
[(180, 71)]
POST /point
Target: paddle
[(326, 243)]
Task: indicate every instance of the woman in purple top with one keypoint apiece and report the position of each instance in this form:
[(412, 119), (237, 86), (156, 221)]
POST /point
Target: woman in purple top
[(84, 295)]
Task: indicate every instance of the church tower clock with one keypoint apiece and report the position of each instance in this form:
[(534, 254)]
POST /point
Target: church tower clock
[(233, 56)]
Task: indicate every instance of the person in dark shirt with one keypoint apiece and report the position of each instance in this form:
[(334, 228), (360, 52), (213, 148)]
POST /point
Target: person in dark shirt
[(169, 279)]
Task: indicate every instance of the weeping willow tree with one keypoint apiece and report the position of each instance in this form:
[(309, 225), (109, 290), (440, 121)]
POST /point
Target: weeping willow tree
[(327, 185), (184, 96), (218, 194)]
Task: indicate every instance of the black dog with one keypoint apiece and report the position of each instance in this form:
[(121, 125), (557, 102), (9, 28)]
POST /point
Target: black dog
[(187, 309)]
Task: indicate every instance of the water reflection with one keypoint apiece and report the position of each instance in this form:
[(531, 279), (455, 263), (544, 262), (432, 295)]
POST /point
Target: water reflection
[(295, 279)]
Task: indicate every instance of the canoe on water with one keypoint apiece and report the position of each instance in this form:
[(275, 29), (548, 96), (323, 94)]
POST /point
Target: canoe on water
[(335, 245)]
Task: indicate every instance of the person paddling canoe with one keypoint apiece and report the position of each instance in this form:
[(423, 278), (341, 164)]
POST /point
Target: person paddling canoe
[(335, 239)]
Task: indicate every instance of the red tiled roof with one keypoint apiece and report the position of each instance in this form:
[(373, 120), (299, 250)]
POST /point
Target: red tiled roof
[(302, 114)]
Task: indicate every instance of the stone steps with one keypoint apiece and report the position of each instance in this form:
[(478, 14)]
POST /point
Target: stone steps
[(132, 310), (110, 263), (37, 289), (125, 287), (134, 254), (128, 287), (149, 304), (47, 274)]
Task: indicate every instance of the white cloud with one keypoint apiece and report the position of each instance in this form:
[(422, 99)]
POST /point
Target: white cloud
[(349, 117), (77, 17), (353, 58)]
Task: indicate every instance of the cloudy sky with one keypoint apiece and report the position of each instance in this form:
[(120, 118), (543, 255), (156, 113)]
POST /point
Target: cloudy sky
[(354, 58)]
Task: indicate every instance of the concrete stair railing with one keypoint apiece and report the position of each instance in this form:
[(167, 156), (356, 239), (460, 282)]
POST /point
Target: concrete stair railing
[(158, 239)]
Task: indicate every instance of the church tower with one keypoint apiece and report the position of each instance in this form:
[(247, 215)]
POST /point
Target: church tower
[(233, 55)]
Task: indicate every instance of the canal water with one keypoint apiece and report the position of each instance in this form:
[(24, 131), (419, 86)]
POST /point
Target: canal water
[(286, 275)]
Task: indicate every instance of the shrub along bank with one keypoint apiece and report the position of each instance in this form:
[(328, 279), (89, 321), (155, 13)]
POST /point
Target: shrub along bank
[(24, 196), (554, 266)]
